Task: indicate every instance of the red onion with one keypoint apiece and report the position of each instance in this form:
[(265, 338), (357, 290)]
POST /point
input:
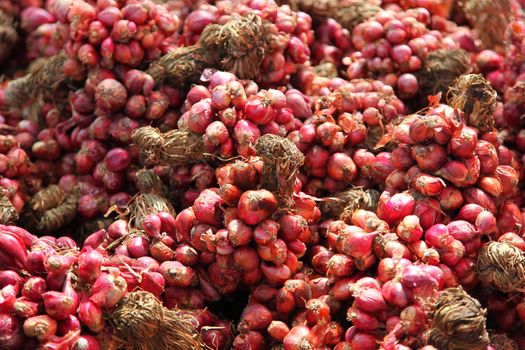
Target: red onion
[(7, 298), (255, 317), (90, 315), (108, 289), (42, 327), (396, 207), (89, 264), (8, 277), (177, 274), (110, 95), (297, 338), (462, 230), (255, 206), (61, 305), (409, 229), (205, 207), (317, 312), (362, 320), (278, 330), (341, 167)]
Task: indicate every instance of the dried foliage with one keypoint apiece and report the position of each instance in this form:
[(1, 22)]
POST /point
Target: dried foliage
[(8, 213), (348, 13), (342, 205), (281, 162), (175, 147), (457, 322), (501, 266), (473, 94), (489, 18), (140, 322), (50, 209)]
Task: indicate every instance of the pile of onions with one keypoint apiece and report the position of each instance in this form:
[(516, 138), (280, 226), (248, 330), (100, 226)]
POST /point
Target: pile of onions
[(56, 295), (112, 32), (461, 172), (350, 118), (45, 35), (237, 241), (392, 46), (231, 114)]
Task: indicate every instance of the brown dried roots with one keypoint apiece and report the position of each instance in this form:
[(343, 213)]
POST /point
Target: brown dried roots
[(457, 322), (354, 13), (50, 209), (43, 79), (440, 70), (501, 266), (45, 82), (343, 204), (347, 13), (184, 65), (489, 18), (281, 162), (238, 46), (473, 94), (8, 213), (244, 41), (500, 341), (8, 36), (140, 322), (152, 198), (175, 147)]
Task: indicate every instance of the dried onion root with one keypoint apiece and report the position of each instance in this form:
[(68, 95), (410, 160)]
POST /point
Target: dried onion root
[(50, 209), (473, 94), (489, 19), (151, 198), (44, 82), (175, 147), (44, 79), (500, 341), (8, 213), (140, 322), (457, 322), (501, 266), (281, 162), (183, 65), (244, 41), (440, 70), (8, 36), (348, 14), (238, 46), (343, 204)]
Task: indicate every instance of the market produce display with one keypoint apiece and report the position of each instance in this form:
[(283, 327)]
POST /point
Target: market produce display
[(262, 174)]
